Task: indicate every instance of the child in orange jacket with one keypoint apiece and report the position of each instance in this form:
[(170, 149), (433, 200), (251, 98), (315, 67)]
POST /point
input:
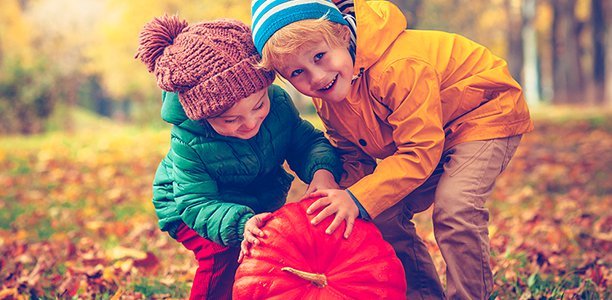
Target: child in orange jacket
[(420, 117)]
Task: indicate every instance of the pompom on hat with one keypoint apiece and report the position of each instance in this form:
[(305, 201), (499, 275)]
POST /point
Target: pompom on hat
[(271, 15), (211, 65)]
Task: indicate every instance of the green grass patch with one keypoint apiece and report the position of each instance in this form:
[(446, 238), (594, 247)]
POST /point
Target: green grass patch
[(153, 287), (10, 212), (127, 210)]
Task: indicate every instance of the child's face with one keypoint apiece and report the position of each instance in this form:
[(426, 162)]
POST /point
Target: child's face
[(320, 71), (244, 119)]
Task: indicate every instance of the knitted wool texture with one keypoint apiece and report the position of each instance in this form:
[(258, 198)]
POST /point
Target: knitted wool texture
[(211, 65)]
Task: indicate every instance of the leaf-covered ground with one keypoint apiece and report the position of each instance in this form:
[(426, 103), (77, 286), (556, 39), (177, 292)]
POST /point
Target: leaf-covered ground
[(76, 219)]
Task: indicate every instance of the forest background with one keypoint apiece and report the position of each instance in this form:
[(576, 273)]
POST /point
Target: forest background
[(80, 138)]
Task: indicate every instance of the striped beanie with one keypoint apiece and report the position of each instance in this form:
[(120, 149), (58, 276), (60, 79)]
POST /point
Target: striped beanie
[(271, 15)]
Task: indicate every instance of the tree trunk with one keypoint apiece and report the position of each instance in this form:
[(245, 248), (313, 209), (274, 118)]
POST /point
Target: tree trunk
[(411, 9), (515, 41), (598, 38), (567, 71), (608, 82), (531, 74), (608, 59)]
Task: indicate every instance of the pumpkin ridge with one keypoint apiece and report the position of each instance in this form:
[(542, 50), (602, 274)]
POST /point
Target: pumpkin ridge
[(272, 260), (276, 293), (274, 251), (363, 255), (305, 237), (348, 264)]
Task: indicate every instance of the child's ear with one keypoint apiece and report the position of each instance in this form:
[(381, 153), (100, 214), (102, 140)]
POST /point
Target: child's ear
[(345, 34)]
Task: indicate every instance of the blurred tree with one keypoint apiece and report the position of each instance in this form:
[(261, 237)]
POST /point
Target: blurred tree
[(567, 69), (111, 57), (485, 22), (93, 97), (84, 50), (531, 73), (26, 80), (599, 23), (607, 8), (412, 10), (63, 31), (543, 21), (26, 96), (515, 38), (15, 36)]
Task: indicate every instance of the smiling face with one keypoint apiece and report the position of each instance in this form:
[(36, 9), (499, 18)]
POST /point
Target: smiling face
[(320, 70), (244, 119)]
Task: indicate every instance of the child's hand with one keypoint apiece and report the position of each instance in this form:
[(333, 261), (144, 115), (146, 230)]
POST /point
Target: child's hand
[(337, 202), (321, 180), (252, 233)]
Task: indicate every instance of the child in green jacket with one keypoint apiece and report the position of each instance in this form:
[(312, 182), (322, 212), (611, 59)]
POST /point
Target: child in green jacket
[(232, 131)]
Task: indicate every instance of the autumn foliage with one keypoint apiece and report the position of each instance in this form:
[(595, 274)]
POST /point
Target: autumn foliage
[(76, 220)]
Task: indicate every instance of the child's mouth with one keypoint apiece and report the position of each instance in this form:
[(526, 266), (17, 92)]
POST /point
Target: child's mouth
[(330, 84)]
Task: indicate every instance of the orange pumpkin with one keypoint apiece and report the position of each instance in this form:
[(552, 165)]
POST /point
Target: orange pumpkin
[(297, 260)]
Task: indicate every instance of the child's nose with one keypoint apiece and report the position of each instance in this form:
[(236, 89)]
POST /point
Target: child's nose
[(250, 123), (318, 78)]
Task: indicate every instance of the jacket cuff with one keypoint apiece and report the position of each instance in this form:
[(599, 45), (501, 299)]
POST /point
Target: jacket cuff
[(172, 228), (322, 166), (240, 230), (362, 212)]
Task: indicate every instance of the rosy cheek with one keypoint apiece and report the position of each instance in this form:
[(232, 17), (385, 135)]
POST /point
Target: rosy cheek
[(225, 128)]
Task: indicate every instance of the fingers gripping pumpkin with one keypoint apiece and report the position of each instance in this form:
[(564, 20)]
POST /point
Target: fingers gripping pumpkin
[(297, 260)]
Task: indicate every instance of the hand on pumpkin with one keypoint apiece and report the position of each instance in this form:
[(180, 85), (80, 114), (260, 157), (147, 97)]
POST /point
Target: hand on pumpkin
[(252, 233), (321, 180), (337, 202)]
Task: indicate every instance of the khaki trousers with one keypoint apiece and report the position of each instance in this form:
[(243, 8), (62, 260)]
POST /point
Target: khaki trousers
[(459, 189)]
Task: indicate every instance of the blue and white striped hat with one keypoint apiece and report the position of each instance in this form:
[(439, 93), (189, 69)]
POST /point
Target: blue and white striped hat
[(271, 15)]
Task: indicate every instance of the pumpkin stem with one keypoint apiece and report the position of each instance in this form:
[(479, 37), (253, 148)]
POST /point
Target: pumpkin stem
[(317, 279)]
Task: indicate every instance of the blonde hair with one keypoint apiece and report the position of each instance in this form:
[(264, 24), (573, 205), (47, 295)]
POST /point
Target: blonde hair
[(304, 33)]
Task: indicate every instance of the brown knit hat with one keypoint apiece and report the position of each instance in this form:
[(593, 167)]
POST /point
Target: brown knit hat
[(211, 65)]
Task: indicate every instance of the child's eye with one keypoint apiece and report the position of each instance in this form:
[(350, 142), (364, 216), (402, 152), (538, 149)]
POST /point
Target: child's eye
[(229, 121), (318, 56), (259, 106), (296, 73)]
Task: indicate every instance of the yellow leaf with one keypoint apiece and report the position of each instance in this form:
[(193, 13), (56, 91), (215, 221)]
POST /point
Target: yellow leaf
[(118, 294), (21, 235), (94, 225), (123, 252), (126, 265), (109, 274), (493, 230), (8, 293)]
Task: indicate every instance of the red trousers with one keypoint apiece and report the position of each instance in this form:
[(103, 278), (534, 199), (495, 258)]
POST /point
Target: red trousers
[(217, 265)]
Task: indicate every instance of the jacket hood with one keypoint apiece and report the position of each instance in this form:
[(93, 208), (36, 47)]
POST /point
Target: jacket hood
[(172, 112), (386, 21)]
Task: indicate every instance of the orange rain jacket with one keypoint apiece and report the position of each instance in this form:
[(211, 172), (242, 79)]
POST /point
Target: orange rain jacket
[(419, 93)]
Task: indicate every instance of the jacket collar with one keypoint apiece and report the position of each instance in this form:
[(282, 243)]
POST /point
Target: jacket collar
[(173, 113)]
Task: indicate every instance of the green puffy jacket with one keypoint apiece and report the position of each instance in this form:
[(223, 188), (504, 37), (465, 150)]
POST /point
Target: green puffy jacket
[(214, 184)]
